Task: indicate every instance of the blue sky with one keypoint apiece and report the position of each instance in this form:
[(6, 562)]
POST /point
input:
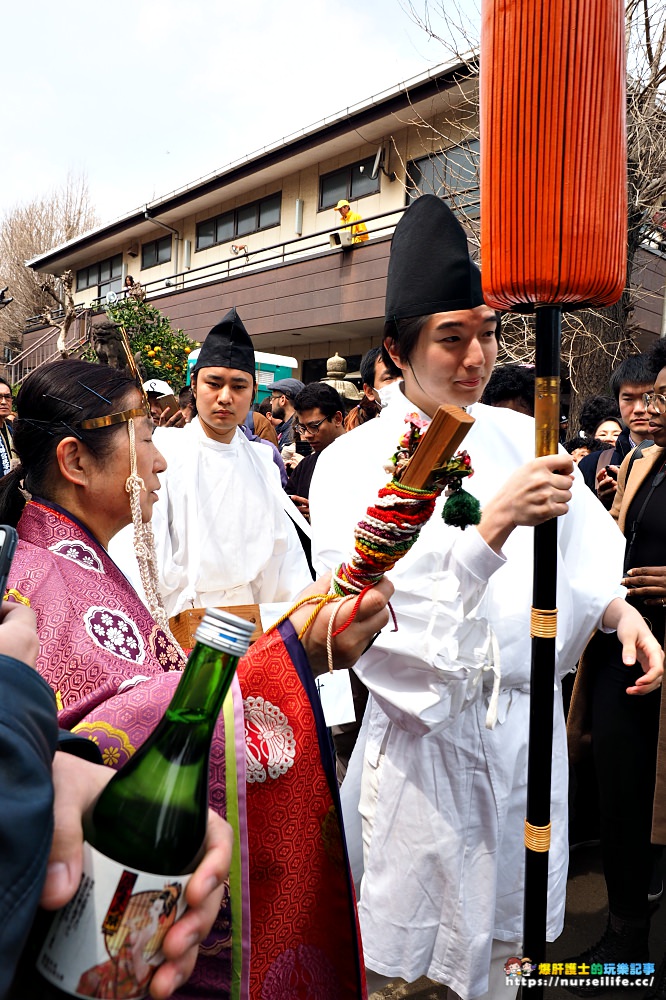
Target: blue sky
[(144, 96)]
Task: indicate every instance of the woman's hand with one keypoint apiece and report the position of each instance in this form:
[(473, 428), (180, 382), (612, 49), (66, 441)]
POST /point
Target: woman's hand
[(77, 783), (371, 617), (647, 583), (638, 643), (534, 493)]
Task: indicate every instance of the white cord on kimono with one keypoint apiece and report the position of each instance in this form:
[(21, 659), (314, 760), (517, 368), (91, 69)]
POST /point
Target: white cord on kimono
[(144, 546)]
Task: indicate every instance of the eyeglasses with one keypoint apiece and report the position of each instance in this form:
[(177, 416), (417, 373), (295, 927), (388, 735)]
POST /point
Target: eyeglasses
[(5, 397), (312, 427), (656, 400)]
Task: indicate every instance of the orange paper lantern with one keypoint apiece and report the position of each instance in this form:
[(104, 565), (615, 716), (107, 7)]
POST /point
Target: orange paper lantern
[(553, 152)]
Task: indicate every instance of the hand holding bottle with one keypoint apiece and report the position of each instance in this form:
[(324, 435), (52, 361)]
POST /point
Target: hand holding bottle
[(77, 784)]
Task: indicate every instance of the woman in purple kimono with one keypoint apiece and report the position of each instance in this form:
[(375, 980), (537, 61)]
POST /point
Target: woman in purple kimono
[(88, 467)]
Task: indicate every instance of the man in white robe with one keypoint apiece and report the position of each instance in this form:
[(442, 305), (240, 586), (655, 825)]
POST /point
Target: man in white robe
[(222, 534), (442, 796)]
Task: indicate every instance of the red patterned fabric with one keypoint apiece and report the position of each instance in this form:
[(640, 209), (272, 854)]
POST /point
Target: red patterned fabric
[(301, 899)]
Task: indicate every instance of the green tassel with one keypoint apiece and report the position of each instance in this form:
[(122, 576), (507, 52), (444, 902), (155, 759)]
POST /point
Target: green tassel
[(461, 509)]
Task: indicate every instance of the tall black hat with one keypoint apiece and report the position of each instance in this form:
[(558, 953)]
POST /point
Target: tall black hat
[(228, 345), (430, 270)]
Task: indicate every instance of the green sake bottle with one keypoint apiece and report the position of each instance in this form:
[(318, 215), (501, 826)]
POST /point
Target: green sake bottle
[(145, 834)]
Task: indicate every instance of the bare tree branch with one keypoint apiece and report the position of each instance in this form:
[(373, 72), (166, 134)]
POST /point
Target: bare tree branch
[(594, 341), (28, 230)]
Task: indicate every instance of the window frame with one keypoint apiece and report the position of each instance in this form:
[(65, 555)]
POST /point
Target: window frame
[(95, 270), (457, 196), (155, 245), (232, 214), (346, 174)]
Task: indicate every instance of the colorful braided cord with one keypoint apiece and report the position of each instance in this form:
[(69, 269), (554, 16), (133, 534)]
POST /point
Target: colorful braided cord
[(386, 533)]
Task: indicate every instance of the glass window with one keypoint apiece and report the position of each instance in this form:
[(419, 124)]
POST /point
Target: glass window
[(246, 220), (452, 174), (104, 276), (269, 211), (332, 188), (353, 181), (164, 250), (361, 181), (206, 234), (148, 255), (241, 221), (156, 252), (224, 228)]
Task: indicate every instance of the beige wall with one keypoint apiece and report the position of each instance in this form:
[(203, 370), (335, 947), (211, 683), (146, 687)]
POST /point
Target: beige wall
[(411, 141)]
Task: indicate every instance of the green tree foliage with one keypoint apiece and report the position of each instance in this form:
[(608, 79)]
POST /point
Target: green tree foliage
[(163, 351)]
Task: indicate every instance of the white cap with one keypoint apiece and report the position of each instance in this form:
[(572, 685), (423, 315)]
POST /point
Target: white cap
[(157, 385)]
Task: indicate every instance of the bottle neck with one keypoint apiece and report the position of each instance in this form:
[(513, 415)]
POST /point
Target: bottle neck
[(203, 686)]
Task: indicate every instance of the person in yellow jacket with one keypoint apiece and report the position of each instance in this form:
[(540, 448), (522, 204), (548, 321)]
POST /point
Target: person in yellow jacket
[(352, 220)]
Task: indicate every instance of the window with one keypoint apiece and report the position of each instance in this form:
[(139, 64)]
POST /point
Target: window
[(157, 252), (353, 181), (452, 174), (262, 214), (106, 276)]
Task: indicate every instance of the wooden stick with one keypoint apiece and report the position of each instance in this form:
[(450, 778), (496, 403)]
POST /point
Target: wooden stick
[(447, 430)]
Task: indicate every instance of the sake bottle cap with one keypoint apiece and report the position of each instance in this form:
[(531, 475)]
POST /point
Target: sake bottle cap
[(223, 631)]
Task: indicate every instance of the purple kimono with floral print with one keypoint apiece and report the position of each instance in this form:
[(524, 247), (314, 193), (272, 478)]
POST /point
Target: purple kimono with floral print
[(112, 667)]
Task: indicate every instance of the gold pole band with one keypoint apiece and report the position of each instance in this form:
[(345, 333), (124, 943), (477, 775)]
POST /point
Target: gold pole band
[(537, 838), (543, 623)]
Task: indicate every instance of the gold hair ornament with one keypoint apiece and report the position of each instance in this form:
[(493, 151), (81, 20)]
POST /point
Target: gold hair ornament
[(92, 423)]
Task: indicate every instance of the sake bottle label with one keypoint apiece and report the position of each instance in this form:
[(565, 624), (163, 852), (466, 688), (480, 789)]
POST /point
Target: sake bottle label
[(107, 941)]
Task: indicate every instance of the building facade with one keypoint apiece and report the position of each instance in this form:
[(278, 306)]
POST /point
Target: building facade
[(257, 234)]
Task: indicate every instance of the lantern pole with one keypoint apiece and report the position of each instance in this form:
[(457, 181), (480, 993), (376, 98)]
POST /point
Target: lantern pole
[(543, 629)]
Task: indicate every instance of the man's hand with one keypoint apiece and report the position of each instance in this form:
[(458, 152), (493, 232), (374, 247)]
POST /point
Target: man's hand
[(176, 419), (303, 505), (648, 583), (638, 644), (371, 617), (534, 493), (607, 485), (77, 783)]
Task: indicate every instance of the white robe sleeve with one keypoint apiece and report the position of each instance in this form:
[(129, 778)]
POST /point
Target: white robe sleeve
[(432, 667)]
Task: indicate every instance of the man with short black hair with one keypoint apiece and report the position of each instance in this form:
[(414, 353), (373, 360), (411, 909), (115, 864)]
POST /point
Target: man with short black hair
[(629, 383), (319, 412), (375, 376), (283, 394), (511, 386)]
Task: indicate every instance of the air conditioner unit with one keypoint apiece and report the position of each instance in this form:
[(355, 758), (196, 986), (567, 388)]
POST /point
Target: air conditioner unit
[(133, 250), (341, 239)]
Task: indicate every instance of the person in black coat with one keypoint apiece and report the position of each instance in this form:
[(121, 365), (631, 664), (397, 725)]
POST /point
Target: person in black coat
[(629, 383)]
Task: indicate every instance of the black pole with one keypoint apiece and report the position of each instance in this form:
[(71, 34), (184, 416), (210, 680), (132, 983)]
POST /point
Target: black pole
[(543, 631)]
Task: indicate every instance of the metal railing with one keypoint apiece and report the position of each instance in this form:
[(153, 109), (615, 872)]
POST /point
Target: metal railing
[(289, 251), (249, 259), (46, 349)]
